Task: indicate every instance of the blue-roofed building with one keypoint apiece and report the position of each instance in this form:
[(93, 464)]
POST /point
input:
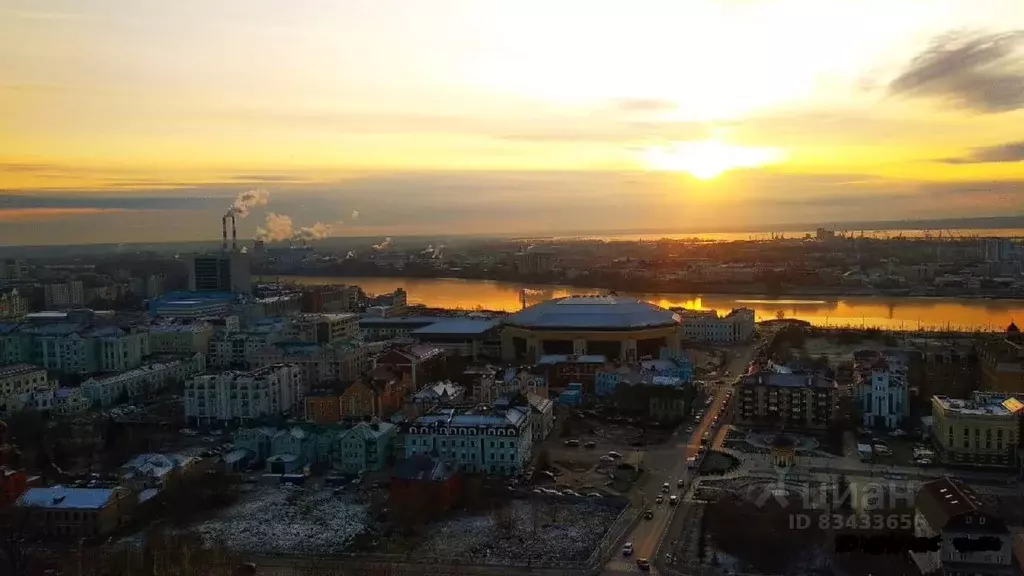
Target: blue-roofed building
[(572, 395), (491, 440), (621, 329), (191, 304), (62, 512)]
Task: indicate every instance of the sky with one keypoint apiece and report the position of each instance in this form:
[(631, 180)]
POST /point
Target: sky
[(141, 121)]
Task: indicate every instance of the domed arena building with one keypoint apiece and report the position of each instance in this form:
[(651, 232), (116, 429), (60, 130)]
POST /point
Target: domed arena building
[(618, 328)]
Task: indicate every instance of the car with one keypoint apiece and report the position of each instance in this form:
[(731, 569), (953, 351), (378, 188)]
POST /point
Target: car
[(614, 454), (572, 443), (689, 429), (665, 487), (607, 459), (643, 564), (680, 483), (590, 444), (673, 500), (659, 499), (648, 514), (627, 549)]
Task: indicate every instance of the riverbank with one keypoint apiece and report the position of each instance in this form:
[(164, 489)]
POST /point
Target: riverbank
[(592, 283), (856, 311)]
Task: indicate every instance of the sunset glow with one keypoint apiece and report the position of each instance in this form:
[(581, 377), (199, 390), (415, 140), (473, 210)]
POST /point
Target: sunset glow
[(709, 159)]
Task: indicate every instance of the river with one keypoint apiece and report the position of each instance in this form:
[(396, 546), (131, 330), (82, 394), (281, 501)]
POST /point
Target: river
[(868, 311)]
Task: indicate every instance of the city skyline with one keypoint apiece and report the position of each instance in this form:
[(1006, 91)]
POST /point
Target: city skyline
[(142, 122)]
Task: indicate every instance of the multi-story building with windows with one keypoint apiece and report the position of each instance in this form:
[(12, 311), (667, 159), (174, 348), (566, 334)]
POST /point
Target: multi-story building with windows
[(953, 512), (882, 388), (180, 337), (19, 378), (707, 326), (244, 396), (322, 363), (367, 446), (785, 400), (74, 343), (324, 328), (493, 440), (138, 383), (12, 304), (983, 430)]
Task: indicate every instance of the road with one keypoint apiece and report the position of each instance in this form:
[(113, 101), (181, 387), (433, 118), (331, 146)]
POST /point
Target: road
[(667, 463)]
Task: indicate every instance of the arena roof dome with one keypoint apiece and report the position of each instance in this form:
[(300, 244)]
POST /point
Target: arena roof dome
[(594, 313)]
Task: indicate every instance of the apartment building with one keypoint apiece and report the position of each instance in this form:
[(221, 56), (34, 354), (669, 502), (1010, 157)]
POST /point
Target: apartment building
[(951, 510), (12, 304), (63, 295), (59, 343), (324, 328), (232, 349), (19, 378), (707, 326), (243, 396), (366, 447), (881, 388), (1001, 363), (785, 400), (139, 383), (983, 430), (330, 299), (322, 363), (494, 440), (180, 338)]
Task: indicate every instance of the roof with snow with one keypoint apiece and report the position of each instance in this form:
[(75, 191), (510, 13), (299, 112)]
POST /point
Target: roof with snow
[(594, 313), (62, 497)]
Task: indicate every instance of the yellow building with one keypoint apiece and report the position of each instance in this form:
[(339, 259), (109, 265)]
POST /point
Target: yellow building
[(983, 430), (620, 329)]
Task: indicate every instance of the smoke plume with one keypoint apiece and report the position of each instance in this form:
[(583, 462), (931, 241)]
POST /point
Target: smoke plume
[(384, 244), (355, 215), (275, 228), (248, 200), (317, 231)]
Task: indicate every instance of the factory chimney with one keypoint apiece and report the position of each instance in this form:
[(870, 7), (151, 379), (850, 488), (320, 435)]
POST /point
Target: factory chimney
[(234, 235), (224, 231)]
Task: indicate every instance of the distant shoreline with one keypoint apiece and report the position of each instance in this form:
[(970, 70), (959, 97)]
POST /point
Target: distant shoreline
[(632, 286)]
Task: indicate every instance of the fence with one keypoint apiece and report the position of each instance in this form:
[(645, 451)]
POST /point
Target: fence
[(628, 518)]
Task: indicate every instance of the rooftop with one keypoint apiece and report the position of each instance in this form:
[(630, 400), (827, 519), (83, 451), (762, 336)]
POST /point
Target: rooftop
[(456, 326), (940, 500), (423, 468), (549, 359), (67, 498), (594, 313), (786, 380), (369, 321), (19, 370), (1001, 407)]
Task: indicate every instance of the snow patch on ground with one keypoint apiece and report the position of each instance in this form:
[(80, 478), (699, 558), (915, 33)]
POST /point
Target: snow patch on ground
[(537, 531), (281, 521)]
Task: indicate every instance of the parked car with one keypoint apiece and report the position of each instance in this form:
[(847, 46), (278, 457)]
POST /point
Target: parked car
[(627, 549), (689, 429), (607, 459), (614, 454), (573, 443), (643, 564), (590, 444)]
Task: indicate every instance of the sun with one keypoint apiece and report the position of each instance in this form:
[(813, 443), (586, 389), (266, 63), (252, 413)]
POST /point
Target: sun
[(708, 159)]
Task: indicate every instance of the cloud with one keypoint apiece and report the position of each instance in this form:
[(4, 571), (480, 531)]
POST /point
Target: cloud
[(48, 214), (981, 73), (268, 178), (1002, 153)]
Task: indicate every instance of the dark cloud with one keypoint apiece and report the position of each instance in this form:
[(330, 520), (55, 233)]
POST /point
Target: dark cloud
[(979, 72), (1002, 153), (108, 202)]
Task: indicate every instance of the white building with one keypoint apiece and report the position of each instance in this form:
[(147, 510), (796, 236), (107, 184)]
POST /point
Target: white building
[(881, 389), (141, 382), (708, 326), (235, 349), (243, 396), (496, 440)]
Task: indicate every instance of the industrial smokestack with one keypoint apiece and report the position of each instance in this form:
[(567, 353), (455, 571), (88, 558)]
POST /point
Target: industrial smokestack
[(224, 231), (234, 234)]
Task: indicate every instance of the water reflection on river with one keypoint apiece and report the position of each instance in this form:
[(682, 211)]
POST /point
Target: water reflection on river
[(897, 313)]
